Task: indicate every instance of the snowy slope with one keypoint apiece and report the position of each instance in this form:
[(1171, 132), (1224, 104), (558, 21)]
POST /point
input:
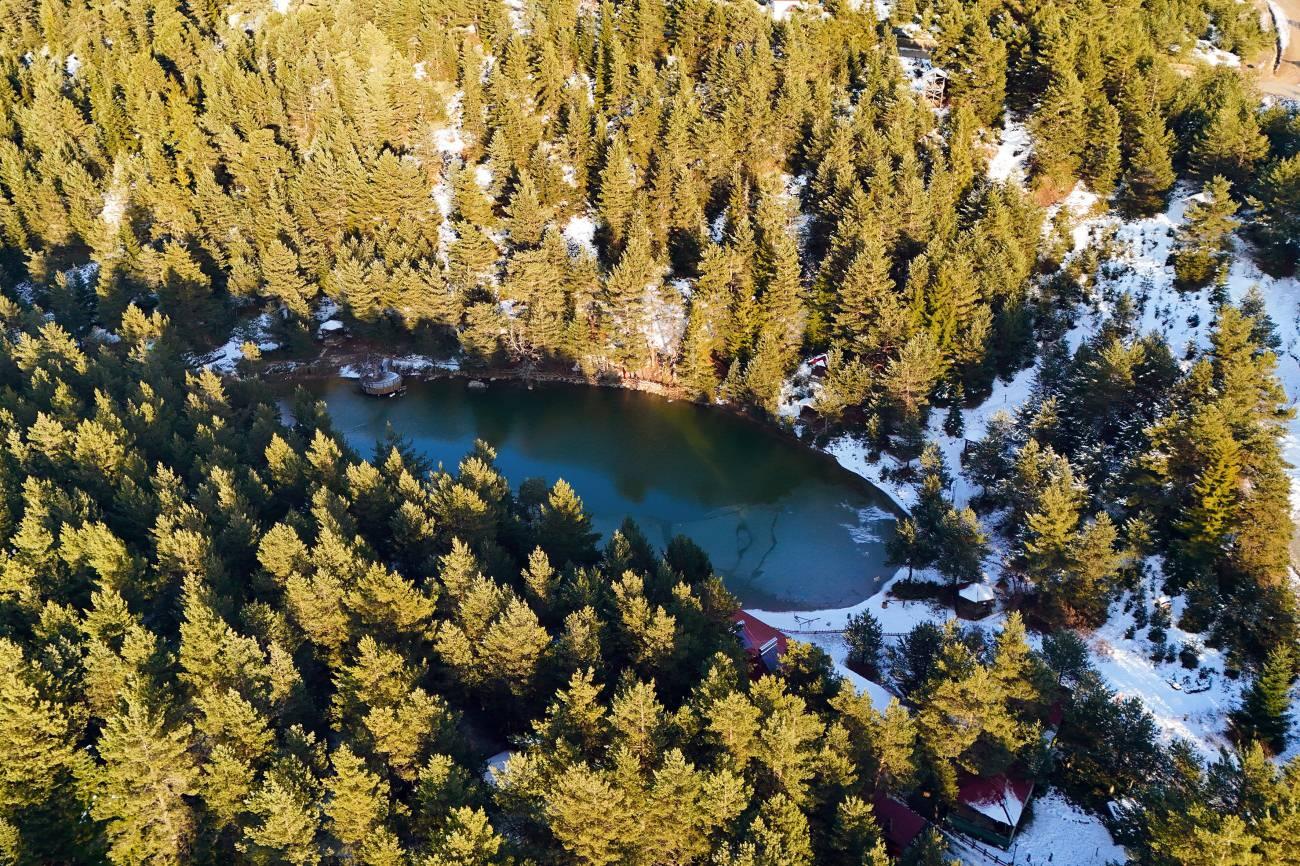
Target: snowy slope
[(1185, 704)]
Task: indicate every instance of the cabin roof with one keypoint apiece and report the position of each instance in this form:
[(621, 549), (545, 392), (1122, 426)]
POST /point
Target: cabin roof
[(899, 824), (978, 593), (495, 766), (999, 798), (331, 325), (755, 634)]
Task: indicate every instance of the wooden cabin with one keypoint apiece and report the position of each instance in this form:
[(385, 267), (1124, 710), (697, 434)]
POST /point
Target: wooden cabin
[(331, 332), (990, 808)]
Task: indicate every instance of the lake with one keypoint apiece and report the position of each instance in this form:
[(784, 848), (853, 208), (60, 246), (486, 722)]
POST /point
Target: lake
[(785, 527)]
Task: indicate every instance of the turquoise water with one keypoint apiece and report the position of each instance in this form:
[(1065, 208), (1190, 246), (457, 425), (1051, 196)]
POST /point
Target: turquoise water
[(786, 528)]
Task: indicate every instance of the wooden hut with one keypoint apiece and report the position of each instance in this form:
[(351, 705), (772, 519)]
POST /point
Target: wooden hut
[(331, 332), (990, 808)]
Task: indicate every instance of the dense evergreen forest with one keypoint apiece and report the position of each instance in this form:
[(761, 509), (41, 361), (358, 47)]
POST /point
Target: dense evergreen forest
[(225, 637)]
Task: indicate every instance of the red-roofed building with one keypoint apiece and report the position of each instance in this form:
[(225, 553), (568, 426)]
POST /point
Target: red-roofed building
[(991, 808), (899, 824), (763, 644)]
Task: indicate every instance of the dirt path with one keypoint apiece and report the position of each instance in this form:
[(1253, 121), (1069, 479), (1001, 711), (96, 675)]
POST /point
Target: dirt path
[(1284, 79)]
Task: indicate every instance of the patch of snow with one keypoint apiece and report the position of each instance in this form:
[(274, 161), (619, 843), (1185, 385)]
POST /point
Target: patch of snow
[(1140, 267), (225, 358), (780, 9), (419, 73), (72, 64), (895, 616), (281, 6), (448, 140), (837, 648), (1207, 52), (483, 176), (496, 765), (663, 320), (1185, 705), (919, 72), (1003, 807), (718, 228), (413, 364), (100, 335), (580, 233), (114, 206), (1011, 158), (1058, 828), (326, 309)]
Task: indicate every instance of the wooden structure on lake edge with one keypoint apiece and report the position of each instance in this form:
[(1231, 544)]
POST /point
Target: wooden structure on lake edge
[(383, 383)]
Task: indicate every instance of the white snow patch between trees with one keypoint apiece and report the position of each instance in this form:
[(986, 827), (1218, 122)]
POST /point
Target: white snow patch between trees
[(580, 233), (1011, 159)]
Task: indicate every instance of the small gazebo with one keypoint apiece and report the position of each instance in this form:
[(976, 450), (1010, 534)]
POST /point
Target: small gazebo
[(383, 383), (975, 601)]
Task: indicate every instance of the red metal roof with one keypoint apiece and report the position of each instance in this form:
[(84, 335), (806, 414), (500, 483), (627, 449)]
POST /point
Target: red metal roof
[(900, 824), (999, 798), (757, 637)]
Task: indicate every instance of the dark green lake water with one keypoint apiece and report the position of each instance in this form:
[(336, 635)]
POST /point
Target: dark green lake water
[(788, 529)]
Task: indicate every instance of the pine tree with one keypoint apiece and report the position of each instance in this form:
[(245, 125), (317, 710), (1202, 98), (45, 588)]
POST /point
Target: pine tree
[(1061, 129), (1231, 145), (35, 735), (590, 818), (1207, 518), (866, 642), (910, 378), (565, 527), (1049, 532), (525, 216), (287, 818), (1265, 712), (1203, 241), (282, 278), (358, 800), (616, 188), (141, 787), (1150, 172), (1277, 205), (1102, 157), (866, 298)]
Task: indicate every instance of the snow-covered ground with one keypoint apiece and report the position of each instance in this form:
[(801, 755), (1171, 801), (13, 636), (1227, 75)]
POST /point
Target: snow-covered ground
[(580, 233), (1185, 704), (1140, 267), (410, 365), (1058, 833), (1207, 52), (226, 357), (1011, 159)]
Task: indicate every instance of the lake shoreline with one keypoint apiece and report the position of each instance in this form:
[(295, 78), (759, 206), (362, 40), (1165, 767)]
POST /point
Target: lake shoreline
[(332, 363), (786, 525)]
